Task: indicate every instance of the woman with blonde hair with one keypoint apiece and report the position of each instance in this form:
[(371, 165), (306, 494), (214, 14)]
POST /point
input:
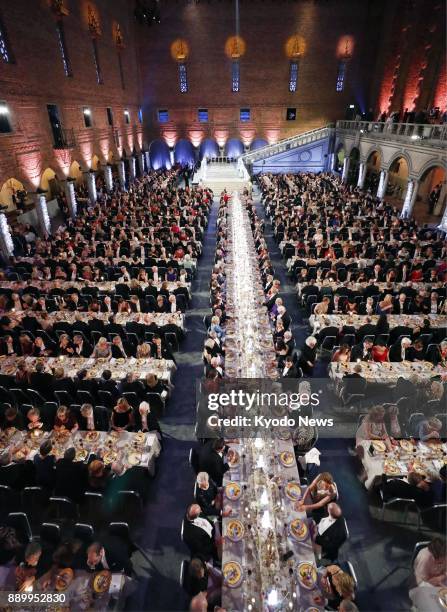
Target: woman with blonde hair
[(143, 350), (318, 495), (122, 416)]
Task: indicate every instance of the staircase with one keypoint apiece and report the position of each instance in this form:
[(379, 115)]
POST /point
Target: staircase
[(220, 176)]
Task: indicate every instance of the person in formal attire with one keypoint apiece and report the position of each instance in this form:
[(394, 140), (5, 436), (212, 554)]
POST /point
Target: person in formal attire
[(401, 351), (342, 354), (70, 476), (82, 348), (98, 475), (430, 429), (109, 554), (12, 418), (430, 565), (207, 495), (44, 466), (363, 351), (42, 382), (213, 460), (122, 418), (102, 349), (199, 534), (204, 578), (308, 356), (373, 427), (380, 352), (65, 420), (15, 474), (289, 370), (318, 495), (331, 533)]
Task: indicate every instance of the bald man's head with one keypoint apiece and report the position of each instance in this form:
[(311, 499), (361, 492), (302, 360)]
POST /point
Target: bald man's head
[(334, 510)]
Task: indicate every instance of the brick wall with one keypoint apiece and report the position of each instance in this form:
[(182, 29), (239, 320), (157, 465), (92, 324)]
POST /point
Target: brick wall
[(37, 78)]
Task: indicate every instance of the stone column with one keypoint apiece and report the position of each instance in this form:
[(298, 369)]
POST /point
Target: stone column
[(171, 156), (42, 214), (442, 226), (332, 162), (6, 243), (362, 175), (410, 198), (383, 182), (108, 177), (141, 163), (122, 174), (71, 198), (148, 161), (132, 169), (344, 176), (91, 185)]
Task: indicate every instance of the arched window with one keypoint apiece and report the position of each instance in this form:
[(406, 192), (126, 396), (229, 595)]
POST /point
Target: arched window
[(5, 51), (293, 76), (341, 75), (235, 76), (183, 78)]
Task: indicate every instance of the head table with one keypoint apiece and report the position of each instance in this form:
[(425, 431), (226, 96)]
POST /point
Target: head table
[(263, 485), (387, 373)]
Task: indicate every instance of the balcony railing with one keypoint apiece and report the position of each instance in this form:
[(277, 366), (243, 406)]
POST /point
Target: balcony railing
[(415, 133), (65, 139)]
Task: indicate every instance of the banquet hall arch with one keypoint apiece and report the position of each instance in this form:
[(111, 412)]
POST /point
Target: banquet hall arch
[(96, 164), (75, 171), (159, 154), (9, 188), (354, 164), (49, 182), (399, 170), (431, 178), (234, 147), (184, 152), (258, 143), (340, 153), (208, 148), (373, 164)]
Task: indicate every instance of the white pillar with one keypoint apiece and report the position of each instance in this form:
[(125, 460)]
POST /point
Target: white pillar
[(6, 243), (132, 170), (122, 174), (171, 155), (442, 226), (91, 185), (71, 198), (362, 175), (148, 161), (332, 162), (42, 214), (108, 177), (344, 176), (383, 182), (410, 198), (141, 163)]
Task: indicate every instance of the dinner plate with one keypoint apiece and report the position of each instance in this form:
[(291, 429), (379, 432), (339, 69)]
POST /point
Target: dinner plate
[(391, 468), (287, 459), (233, 490), (307, 575), (233, 459), (293, 491), (101, 581), (232, 573), (406, 445), (442, 597), (379, 446), (110, 457), (81, 454), (235, 530), (298, 529), (92, 436), (134, 458)]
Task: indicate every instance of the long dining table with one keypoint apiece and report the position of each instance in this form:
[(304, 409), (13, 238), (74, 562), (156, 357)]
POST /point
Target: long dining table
[(267, 557)]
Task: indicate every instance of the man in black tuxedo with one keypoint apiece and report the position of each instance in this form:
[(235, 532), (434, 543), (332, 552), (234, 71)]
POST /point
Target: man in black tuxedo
[(70, 476), (106, 383), (83, 383), (400, 330), (362, 351), (82, 348), (354, 384), (212, 460), (326, 331), (402, 305), (331, 532), (133, 479), (42, 382), (111, 553), (15, 474), (198, 534), (160, 349), (289, 370)]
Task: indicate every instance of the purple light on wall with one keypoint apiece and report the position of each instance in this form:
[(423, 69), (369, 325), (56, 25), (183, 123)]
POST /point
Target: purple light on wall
[(184, 152), (258, 143), (159, 155), (208, 148), (234, 147)]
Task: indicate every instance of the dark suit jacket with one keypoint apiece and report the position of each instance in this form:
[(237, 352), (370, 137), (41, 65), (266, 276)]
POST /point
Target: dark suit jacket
[(71, 479), (357, 353), (331, 540), (45, 472), (117, 556), (17, 475), (212, 463), (198, 541), (43, 383), (366, 330)]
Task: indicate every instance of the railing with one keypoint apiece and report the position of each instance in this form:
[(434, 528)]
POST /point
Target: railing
[(288, 143), (65, 139), (416, 133)]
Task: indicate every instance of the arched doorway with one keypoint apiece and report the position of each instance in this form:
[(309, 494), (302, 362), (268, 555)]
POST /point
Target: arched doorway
[(398, 179), (50, 183), (208, 148), (11, 192), (354, 163), (96, 164), (76, 172), (431, 197), (234, 147), (159, 155), (339, 158), (372, 177), (184, 153), (258, 143)]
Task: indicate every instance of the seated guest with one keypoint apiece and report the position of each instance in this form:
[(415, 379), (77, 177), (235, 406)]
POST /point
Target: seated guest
[(70, 476), (43, 348), (98, 476), (134, 478), (66, 347), (131, 384), (88, 420), (203, 577), (106, 383), (308, 356), (385, 306), (289, 370), (318, 495), (207, 495), (154, 385), (199, 534), (143, 350), (362, 352), (331, 532), (12, 418), (215, 327), (436, 486), (84, 383), (380, 352), (30, 568), (402, 305), (342, 354), (429, 429), (340, 586), (322, 308), (82, 348), (44, 466), (42, 382), (214, 367), (160, 350), (65, 420), (15, 474), (34, 420), (102, 349), (22, 376), (146, 420), (119, 350), (430, 565), (122, 416), (373, 427), (112, 554), (367, 329), (438, 354), (212, 460), (402, 351)]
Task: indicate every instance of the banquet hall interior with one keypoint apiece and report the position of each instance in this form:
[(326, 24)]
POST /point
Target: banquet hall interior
[(203, 200)]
